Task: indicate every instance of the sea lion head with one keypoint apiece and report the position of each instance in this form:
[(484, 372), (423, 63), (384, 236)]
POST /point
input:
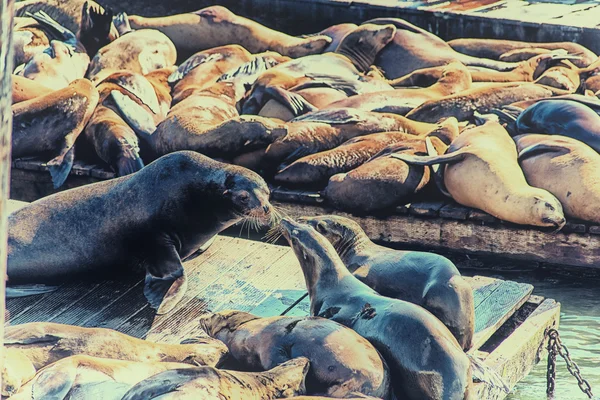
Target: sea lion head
[(224, 322), (341, 232), (17, 369), (364, 43), (547, 210), (97, 29)]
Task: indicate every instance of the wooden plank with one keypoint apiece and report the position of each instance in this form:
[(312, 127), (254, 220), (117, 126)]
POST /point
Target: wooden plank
[(454, 211), (426, 208), (497, 308), (301, 309), (514, 358)]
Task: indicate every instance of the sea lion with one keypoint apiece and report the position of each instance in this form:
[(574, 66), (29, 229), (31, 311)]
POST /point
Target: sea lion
[(566, 168), (207, 383), (62, 62), (427, 279), (343, 70), (453, 79), (463, 105), (341, 362), (482, 172), (414, 48), (83, 377), (562, 117), (494, 48), (327, 129), (26, 89), (38, 344), (518, 55), (336, 33), (17, 370), (50, 124), (316, 169), (383, 181), (140, 51), (183, 200), (97, 29), (29, 39), (425, 359), (217, 26)]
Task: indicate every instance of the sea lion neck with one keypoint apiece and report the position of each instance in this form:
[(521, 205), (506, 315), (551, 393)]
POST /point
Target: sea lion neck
[(359, 59)]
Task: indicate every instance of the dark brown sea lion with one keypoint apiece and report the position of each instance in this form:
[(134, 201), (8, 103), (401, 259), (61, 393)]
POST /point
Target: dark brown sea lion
[(50, 124), (565, 167), (83, 377), (327, 129), (454, 78), (217, 26), (140, 51), (341, 362), (482, 171), (463, 105), (38, 344), (97, 29), (26, 89), (183, 200), (415, 48), (343, 70), (427, 279), (494, 48), (68, 13), (425, 359), (207, 383)]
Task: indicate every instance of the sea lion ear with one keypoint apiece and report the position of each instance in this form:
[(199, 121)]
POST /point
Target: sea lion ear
[(321, 227)]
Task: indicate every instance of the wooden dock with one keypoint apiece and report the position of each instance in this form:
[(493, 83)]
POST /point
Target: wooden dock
[(441, 225), (266, 280)]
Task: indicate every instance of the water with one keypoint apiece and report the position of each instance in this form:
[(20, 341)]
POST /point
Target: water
[(579, 330)]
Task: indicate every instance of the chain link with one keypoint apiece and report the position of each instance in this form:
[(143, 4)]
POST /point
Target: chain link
[(555, 346)]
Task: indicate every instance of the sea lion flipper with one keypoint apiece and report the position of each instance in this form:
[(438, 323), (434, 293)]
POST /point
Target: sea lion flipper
[(121, 23), (46, 20), (540, 148), (482, 373), (28, 290), (134, 114), (59, 167), (153, 387), (453, 157), (333, 116), (297, 104), (190, 64), (349, 87), (129, 163), (202, 249), (166, 282), (54, 382)]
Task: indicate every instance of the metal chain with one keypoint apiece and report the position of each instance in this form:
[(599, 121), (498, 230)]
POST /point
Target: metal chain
[(555, 346)]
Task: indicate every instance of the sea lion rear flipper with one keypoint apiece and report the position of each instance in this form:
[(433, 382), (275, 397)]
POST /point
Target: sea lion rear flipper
[(134, 114), (333, 116), (54, 381), (349, 87), (121, 23), (59, 167), (540, 148), (507, 116), (28, 290), (293, 101), (166, 281), (190, 64), (250, 69), (160, 384), (46, 20), (483, 373), (129, 163), (453, 157), (438, 173)]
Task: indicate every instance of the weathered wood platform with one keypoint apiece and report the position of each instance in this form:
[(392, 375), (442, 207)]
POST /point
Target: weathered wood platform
[(441, 225), (267, 280), (527, 20)]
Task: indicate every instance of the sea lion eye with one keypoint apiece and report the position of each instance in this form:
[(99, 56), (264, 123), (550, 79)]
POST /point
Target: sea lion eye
[(321, 227), (549, 206)]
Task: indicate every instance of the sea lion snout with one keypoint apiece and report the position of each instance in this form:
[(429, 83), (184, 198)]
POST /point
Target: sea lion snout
[(550, 212)]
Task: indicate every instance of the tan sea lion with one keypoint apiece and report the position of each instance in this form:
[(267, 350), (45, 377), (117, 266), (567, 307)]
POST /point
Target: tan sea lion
[(343, 70), (427, 279), (482, 172), (141, 51), (518, 55), (26, 89), (336, 33), (17, 370), (453, 79), (217, 26), (494, 48), (182, 201), (400, 330), (565, 167), (83, 377), (415, 48), (341, 362), (285, 380), (463, 105), (50, 124)]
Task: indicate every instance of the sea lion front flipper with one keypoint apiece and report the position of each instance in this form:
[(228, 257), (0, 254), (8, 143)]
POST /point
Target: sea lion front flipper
[(190, 64), (349, 87), (202, 249), (54, 382), (438, 173), (540, 148), (453, 157), (60, 166), (121, 23), (134, 114), (166, 281), (129, 160), (333, 116), (160, 384), (46, 20), (28, 290), (293, 101)]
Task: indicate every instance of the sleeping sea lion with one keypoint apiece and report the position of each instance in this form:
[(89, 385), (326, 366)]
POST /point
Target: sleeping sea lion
[(341, 362), (415, 48), (50, 124), (207, 383), (336, 33), (26, 89), (495, 48), (83, 377), (182, 201), (217, 26), (482, 172), (427, 279), (425, 360)]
